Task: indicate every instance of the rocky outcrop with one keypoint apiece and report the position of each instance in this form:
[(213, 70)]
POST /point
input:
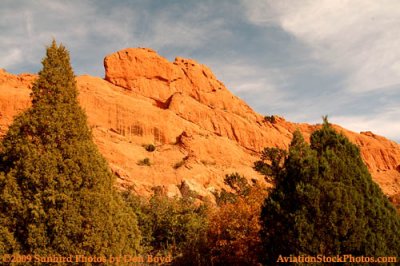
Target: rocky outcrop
[(201, 131), (191, 91), (14, 96)]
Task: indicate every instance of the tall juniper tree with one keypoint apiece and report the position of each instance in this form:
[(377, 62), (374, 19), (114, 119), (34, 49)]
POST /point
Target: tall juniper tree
[(325, 202), (57, 193)]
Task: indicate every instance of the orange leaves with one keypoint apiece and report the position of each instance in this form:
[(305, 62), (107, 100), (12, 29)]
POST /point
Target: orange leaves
[(234, 229)]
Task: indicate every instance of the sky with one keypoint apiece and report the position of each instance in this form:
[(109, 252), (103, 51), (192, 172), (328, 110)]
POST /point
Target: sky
[(298, 59)]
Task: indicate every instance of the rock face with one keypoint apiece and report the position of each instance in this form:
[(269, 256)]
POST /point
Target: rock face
[(191, 91), (201, 131), (14, 96)]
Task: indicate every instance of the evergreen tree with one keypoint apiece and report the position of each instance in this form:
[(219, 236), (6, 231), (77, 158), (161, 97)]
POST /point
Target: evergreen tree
[(325, 202), (57, 193)]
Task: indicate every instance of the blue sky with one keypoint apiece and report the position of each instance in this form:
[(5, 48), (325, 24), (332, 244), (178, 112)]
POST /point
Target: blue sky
[(298, 59)]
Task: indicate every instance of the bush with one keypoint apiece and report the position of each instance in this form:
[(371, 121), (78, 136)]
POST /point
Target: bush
[(150, 147), (171, 226), (270, 118), (395, 200), (145, 161), (239, 186)]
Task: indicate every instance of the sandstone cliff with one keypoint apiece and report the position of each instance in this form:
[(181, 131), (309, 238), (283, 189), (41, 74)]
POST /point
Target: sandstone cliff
[(201, 131)]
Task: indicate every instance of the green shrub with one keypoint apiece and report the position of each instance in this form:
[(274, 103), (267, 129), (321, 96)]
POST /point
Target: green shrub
[(270, 118), (150, 147), (173, 226), (145, 161)]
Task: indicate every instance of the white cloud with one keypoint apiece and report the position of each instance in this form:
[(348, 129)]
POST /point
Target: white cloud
[(243, 77), (107, 27), (259, 85), (359, 37), (81, 27), (10, 57), (172, 27), (385, 123)]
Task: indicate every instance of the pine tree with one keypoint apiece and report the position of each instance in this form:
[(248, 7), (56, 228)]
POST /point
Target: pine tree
[(57, 193), (326, 203)]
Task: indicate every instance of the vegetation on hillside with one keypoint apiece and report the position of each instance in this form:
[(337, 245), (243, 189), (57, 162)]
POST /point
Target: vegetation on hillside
[(170, 226)]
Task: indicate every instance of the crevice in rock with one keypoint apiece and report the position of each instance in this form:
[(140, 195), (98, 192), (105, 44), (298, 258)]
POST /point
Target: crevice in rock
[(163, 105), (160, 79)]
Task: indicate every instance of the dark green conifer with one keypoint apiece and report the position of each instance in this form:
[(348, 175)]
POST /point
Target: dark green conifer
[(326, 203), (57, 195)]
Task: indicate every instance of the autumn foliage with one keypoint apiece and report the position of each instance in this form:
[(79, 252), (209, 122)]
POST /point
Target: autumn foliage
[(234, 224)]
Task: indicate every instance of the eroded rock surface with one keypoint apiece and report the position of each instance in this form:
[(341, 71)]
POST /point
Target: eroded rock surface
[(200, 129)]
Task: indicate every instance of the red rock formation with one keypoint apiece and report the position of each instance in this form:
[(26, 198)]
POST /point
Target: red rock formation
[(14, 93), (201, 131)]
